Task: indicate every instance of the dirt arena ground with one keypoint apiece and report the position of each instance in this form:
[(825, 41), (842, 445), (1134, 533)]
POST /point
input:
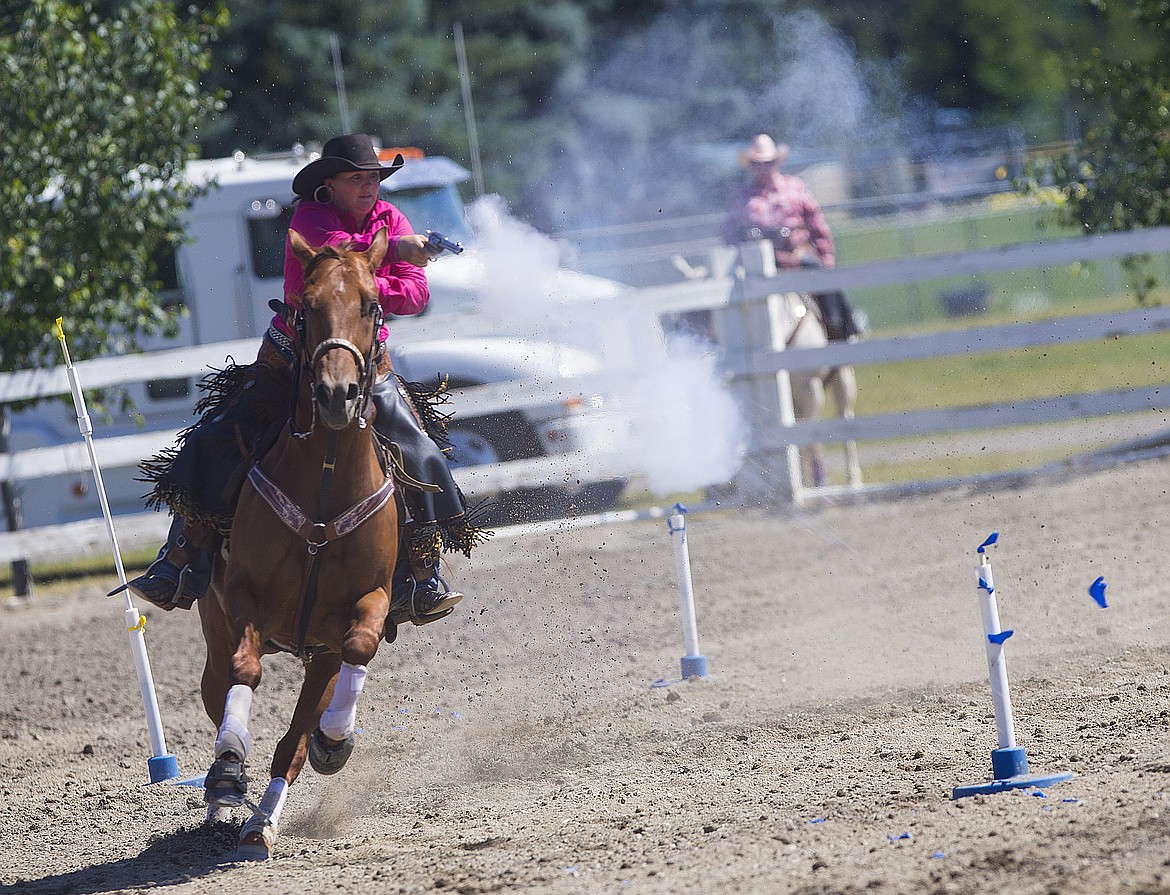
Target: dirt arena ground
[(523, 746)]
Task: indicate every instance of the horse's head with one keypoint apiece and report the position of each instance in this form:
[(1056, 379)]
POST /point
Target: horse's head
[(342, 317)]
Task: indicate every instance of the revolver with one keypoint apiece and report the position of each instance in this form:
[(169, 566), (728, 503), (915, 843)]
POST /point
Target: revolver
[(437, 243)]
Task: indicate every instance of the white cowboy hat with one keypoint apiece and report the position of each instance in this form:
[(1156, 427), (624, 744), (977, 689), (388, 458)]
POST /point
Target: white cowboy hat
[(763, 148)]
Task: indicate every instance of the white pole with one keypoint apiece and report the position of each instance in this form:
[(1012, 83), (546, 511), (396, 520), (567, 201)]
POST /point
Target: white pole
[(468, 111), (162, 765), (339, 78), (996, 663), (693, 663)]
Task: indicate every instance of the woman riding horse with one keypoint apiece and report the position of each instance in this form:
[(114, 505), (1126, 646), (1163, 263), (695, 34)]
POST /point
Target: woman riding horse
[(201, 478), (314, 547)]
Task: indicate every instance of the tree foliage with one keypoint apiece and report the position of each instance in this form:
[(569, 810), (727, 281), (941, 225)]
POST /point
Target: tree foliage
[(578, 97), (1120, 176), (99, 115)]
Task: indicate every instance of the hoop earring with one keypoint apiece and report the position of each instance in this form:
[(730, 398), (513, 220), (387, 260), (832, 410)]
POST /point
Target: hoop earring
[(317, 194)]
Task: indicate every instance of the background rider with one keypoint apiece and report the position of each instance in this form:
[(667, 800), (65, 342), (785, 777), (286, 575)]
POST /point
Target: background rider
[(781, 208)]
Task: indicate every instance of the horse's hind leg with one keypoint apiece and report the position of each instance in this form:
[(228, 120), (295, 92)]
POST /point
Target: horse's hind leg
[(845, 396), (815, 459), (317, 692), (808, 402)]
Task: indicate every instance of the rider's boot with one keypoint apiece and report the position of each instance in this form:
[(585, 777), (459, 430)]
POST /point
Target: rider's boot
[(182, 572), (419, 591), (431, 598)]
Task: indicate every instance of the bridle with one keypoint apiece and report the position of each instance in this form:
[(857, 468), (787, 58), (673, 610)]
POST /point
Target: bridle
[(306, 365)]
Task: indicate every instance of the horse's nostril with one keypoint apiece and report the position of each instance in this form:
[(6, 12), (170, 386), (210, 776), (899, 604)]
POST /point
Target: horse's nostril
[(322, 394), (351, 393)]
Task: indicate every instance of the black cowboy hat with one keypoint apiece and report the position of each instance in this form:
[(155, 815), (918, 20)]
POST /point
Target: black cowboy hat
[(351, 152)]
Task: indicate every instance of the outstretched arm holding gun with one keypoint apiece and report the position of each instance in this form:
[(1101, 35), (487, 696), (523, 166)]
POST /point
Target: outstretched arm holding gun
[(418, 249)]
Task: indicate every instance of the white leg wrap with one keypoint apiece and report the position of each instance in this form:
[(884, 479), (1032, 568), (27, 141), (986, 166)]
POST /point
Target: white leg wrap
[(267, 822), (233, 732), (273, 802), (339, 719)]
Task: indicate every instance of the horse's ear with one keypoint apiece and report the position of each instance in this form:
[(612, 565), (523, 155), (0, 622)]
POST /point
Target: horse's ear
[(304, 252), (377, 250)]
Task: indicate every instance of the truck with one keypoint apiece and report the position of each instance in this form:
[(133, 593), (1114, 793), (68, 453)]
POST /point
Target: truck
[(231, 266)]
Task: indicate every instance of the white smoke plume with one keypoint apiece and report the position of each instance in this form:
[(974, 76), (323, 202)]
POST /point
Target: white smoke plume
[(674, 420)]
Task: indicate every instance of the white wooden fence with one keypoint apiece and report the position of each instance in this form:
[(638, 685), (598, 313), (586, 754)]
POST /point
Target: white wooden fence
[(760, 362)]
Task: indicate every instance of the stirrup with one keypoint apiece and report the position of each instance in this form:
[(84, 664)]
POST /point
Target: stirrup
[(160, 584), (431, 599), (171, 583), (166, 586)]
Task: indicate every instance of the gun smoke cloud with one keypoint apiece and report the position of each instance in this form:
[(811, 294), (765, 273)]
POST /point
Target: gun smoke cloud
[(674, 422)]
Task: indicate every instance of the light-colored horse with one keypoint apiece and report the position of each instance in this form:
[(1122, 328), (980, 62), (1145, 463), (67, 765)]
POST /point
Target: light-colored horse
[(806, 329), (799, 317)]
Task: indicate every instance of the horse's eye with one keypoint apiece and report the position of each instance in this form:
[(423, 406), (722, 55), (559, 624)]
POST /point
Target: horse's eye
[(371, 309)]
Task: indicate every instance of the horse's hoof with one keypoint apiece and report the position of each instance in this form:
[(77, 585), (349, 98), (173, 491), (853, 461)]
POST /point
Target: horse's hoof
[(226, 784), (218, 814), (256, 839), (257, 850), (326, 759)]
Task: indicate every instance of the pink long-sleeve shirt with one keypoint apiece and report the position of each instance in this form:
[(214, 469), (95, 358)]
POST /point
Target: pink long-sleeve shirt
[(402, 287)]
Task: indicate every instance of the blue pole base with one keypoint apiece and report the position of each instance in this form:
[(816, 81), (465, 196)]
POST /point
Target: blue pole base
[(1009, 762), (162, 767), (694, 666), (1010, 767)]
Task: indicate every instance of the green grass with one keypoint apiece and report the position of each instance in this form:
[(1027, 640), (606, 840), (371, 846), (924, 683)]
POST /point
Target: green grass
[(963, 465), (80, 569), (1040, 372), (1003, 220)]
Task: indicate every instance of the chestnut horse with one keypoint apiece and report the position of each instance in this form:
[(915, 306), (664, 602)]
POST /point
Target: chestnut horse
[(312, 550)]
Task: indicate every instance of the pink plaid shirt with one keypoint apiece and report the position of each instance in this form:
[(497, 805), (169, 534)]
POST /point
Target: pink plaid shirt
[(784, 203)]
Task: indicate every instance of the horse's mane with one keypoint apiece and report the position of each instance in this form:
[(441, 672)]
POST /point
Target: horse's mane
[(333, 251)]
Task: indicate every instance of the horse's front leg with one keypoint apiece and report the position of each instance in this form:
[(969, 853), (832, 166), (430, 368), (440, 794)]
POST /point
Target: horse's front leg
[(332, 742), (227, 700), (258, 834)]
